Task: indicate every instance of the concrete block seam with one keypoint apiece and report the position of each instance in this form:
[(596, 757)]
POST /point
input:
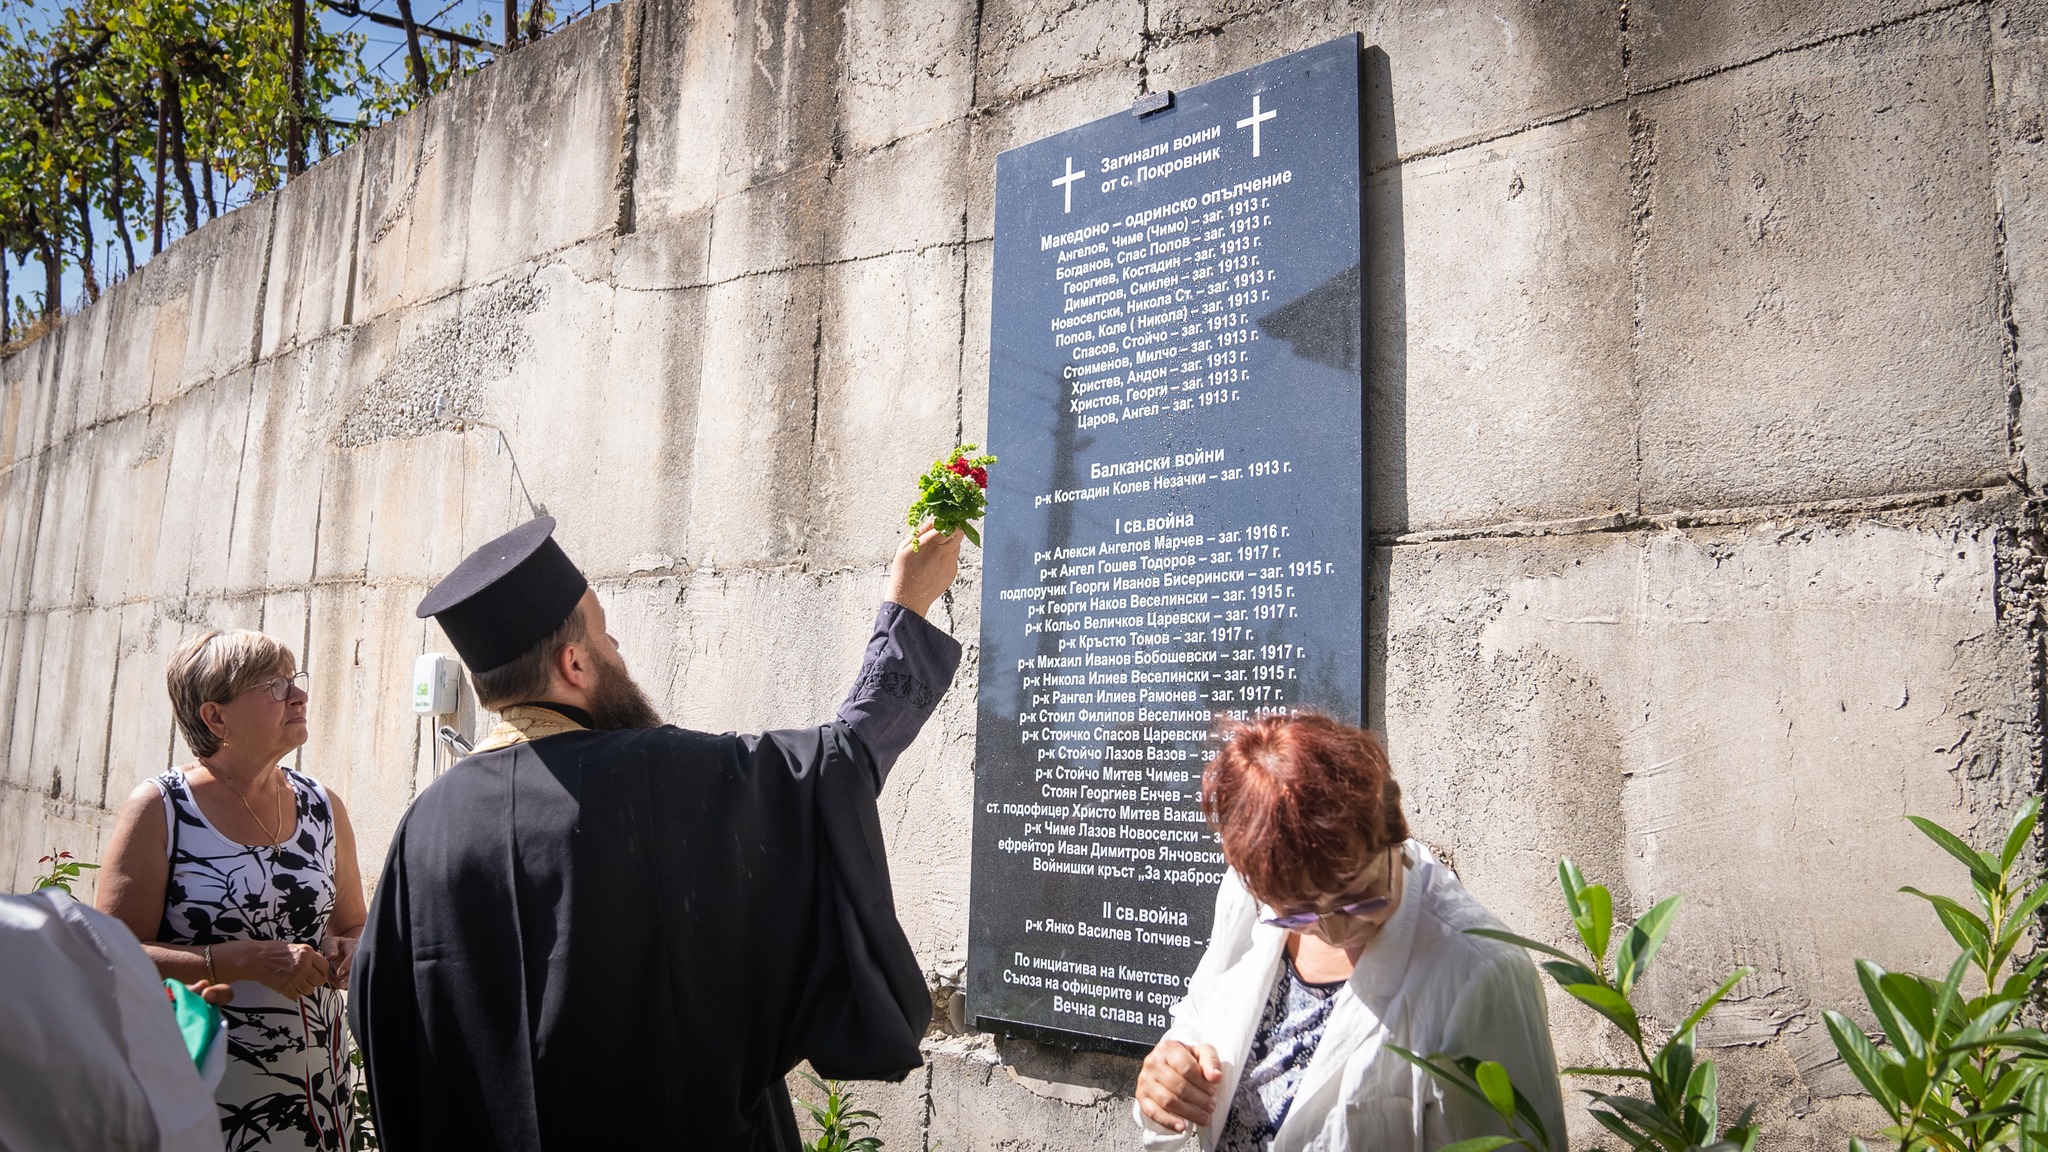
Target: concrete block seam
[(2031, 580), (262, 279), (313, 564), (1642, 165), (355, 242), (629, 118), (924, 1126), (39, 489), (524, 270), (806, 265), (1032, 92), (1190, 33), (35, 705), (179, 604), (817, 383), (960, 371), (152, 448), (1462, 143), (46, 444), (2008, 322), (1623, 521), (974, 62), (1627, 46), (1144, 46), (401, 204), (241, 463), (1860, 30), (107, 734)]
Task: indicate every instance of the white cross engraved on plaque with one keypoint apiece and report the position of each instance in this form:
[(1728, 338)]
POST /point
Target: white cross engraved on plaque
[(1254, 120), (1066, 183)]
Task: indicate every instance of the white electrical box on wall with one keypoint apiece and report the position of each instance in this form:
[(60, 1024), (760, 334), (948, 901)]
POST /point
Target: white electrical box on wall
[(435, 679)]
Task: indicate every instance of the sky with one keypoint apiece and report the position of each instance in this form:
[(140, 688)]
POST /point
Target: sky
[(383, 51)]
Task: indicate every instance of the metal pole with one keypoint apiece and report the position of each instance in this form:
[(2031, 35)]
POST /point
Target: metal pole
[(295, 129), (412, 48), (162, 112)]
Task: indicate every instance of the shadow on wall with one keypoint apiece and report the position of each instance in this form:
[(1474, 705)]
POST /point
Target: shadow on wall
[(1043, 1069), (1386, 360)]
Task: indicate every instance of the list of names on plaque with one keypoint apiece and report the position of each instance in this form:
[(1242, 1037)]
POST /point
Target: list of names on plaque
[(1176, 535)]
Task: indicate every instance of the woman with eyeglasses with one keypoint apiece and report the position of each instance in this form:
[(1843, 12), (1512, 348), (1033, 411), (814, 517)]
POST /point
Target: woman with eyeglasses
[(1336, 935), (235, 868)]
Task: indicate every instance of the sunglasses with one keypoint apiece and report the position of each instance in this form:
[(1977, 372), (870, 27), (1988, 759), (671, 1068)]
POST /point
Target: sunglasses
[(1297, 921)]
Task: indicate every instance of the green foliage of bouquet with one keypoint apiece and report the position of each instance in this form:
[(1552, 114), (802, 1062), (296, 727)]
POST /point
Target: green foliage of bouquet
[(951, 493)]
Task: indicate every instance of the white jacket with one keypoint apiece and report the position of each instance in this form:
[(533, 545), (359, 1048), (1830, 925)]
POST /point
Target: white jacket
[(90, 1051), (1423, 984)]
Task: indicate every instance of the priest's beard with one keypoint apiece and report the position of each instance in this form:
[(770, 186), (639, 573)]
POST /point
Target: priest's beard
[(617, 702)]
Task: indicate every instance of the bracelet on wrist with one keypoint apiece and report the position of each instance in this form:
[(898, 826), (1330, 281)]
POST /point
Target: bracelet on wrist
[(207, 951)]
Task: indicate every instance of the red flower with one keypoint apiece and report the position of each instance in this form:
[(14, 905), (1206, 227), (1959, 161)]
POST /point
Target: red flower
[(958, 467), (980, 476)]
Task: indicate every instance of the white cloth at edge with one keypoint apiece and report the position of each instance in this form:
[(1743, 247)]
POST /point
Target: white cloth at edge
[(89, 1046), (1423, 982)]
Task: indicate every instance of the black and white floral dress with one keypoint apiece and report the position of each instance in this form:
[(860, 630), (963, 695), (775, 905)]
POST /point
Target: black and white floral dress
[(287, 1082)]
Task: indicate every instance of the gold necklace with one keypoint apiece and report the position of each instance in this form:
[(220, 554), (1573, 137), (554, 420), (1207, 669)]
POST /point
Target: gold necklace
[(277, 810)]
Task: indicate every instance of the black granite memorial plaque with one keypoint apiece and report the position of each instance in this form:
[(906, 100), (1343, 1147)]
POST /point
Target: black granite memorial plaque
[(1177, 524)]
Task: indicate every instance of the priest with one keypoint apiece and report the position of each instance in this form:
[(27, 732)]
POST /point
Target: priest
[(600, 931)]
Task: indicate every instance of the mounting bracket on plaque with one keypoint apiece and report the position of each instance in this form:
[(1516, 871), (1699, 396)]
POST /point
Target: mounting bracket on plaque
[(1152, 102), (1178, 533)]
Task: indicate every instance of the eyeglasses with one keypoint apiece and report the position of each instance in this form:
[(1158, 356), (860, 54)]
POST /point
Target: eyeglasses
[(280, 687), (1297, 921)]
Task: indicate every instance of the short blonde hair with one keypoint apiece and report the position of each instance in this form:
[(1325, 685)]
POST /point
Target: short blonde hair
[(216, 666)]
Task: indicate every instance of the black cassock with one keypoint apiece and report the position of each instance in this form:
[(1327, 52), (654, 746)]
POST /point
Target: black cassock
[(627, 939)]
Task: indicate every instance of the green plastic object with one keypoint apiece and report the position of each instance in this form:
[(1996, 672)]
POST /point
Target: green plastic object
[(197, 1020)]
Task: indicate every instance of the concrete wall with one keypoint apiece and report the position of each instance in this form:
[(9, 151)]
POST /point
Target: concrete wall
[(1707, 337)]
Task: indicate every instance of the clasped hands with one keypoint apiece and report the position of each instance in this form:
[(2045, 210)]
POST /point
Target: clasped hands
[(1177, 1085), (290, 970)]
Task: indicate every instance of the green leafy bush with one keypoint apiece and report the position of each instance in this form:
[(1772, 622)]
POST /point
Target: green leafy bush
[(1682, 1112), (64, 872), (840, 1124), (1957, 1073), (362, 1130)]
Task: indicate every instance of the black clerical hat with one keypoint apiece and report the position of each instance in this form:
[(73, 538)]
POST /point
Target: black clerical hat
[(506, 596)]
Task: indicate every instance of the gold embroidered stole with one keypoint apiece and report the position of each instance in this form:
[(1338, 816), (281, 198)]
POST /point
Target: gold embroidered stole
[(523, 724)]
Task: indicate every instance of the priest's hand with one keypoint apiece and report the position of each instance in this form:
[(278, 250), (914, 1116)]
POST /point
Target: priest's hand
[(921, 575), (290, 970), (1177, 1086)]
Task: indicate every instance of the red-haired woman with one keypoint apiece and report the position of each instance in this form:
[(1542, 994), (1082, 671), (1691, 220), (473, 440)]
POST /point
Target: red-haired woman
[(1335, 935)]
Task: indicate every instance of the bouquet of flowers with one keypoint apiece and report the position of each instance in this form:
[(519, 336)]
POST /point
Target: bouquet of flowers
[(950, 493)]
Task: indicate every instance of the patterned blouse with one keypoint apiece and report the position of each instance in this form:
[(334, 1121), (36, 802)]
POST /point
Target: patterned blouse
[(1286, 1041), (287, 1082)]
